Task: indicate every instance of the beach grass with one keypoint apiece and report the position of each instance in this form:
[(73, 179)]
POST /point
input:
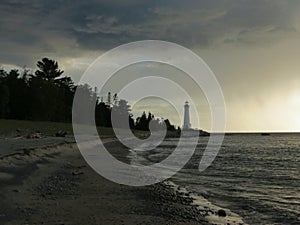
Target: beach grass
[(9, 128)]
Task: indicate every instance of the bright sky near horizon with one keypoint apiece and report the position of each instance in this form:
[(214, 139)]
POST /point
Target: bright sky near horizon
[(252, 46)]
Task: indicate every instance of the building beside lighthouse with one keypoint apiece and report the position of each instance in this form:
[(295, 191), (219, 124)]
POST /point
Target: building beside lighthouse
[(186, 123)]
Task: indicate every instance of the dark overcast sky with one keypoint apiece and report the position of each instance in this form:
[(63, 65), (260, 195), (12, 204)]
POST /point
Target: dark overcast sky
[(253, 46)]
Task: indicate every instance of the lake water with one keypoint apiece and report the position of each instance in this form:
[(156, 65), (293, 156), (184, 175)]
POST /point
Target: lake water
[(256, 176)]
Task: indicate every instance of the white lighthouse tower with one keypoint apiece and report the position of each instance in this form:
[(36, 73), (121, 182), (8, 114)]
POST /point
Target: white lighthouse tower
[(186, 123)]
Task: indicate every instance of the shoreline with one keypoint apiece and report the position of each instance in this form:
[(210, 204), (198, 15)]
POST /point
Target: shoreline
[(213, 214), (54, 185)]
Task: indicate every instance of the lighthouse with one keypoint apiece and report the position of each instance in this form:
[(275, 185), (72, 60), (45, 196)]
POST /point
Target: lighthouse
[(186, 124)]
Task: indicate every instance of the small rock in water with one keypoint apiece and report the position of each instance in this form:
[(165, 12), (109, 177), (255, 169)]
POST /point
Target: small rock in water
[(222, 213)]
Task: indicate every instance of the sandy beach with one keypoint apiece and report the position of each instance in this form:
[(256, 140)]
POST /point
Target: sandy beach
[(52, 184)]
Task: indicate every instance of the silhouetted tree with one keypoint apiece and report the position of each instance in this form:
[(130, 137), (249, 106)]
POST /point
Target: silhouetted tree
[(169, 126), (115, 99), (45, 95), (48, 69), (4, 95), (121, 111), (66, 91), (4, 100), (142, 122), (103, 115), (18, 104), (51, 95), (149, 118), (87, 101)]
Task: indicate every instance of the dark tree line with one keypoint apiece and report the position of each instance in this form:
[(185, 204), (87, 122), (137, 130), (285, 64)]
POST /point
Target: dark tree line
[(46, 95)]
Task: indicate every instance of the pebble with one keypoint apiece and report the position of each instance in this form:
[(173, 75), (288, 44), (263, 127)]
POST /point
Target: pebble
[(222, 213)]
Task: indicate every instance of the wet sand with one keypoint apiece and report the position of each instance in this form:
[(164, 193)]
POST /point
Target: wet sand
[(54, 185)]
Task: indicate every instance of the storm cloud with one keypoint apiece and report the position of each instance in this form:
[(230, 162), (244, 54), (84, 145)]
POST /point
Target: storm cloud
[(67, 28), (235, 37)]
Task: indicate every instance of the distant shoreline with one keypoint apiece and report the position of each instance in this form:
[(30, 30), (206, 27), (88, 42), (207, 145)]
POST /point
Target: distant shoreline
[(255, 133)]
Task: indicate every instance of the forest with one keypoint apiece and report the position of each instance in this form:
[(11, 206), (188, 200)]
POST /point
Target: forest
[(47, 95)]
